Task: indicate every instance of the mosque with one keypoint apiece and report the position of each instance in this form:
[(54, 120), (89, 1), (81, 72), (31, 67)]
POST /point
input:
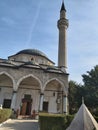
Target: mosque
[(29, 80)]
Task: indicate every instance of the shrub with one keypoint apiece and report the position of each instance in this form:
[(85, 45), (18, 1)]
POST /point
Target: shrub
[(54, 121), (5, 114), (69, 119)]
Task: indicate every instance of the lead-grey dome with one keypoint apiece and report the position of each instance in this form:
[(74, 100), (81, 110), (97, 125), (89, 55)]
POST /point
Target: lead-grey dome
[(32, 52)]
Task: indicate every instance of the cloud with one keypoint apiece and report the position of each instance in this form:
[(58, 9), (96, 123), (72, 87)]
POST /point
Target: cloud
[(33, 25), (8, 20)]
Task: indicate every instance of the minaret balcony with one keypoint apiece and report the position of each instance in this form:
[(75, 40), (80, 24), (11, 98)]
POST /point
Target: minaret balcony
[(63, 23)]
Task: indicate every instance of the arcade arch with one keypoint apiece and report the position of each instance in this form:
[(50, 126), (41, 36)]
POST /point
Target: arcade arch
[(6, 79), (29, 88), (6, 89), (53, 96)]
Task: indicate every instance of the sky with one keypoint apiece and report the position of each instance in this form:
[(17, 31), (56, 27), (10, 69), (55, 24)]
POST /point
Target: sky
[(26, 24)]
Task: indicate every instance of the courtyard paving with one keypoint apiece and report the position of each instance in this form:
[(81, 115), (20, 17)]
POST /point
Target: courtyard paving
[(20, 125)]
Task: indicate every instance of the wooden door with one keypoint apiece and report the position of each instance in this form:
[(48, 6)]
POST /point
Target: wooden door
[(23, 109), (28, 108)]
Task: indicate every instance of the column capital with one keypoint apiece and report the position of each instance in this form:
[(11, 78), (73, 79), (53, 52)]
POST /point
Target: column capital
[(14, 91), (65, 95), (41, 93)]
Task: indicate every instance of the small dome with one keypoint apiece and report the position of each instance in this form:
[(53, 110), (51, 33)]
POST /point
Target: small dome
[(32, 52)]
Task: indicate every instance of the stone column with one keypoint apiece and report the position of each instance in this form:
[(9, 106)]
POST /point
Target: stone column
[(41, 102), (65, 104), (13, 102)]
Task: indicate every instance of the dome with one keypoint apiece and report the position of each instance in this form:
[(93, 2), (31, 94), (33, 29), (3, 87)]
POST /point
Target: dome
[(28, 57), (32, 52)]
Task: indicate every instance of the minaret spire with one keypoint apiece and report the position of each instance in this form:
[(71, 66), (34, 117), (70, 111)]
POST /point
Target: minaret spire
[(62, 26), (63, 6)]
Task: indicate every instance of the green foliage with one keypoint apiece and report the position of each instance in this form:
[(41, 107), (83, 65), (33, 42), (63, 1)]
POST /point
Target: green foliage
[(75, 96), (91, 78), (5, 114), (96, 118), (95, 111), (89, 91), (91, 88), (69, 119), (54, 121)]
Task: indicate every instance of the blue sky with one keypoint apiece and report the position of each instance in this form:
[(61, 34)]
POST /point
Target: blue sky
[(33, 24)]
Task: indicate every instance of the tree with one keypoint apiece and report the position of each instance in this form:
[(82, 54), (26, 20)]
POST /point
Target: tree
[(90, 88), (75, 96)]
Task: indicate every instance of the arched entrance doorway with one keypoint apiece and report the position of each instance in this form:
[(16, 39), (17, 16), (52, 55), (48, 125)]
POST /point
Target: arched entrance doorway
[(6, 89), (53, 97), (28, 91), (26, 105)]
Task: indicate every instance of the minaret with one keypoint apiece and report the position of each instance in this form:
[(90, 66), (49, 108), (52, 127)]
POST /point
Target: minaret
[(62, 26)]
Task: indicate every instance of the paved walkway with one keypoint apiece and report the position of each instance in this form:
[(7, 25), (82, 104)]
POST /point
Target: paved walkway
[(20, 125)]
